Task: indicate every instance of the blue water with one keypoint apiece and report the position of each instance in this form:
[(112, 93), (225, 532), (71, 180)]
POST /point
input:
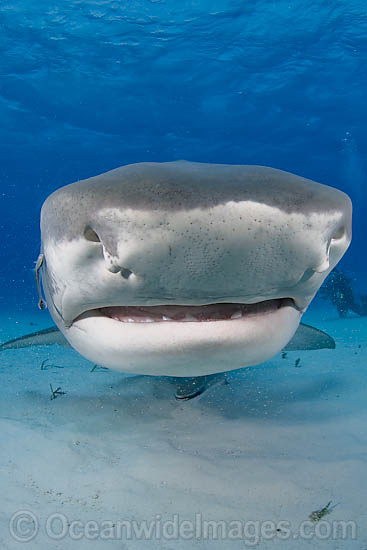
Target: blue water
[(86, 86), (89, 85)]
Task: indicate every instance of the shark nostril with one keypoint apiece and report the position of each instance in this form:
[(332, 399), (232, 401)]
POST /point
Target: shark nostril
[(306, 275), (126, 272), (339, 233), (91, 235)]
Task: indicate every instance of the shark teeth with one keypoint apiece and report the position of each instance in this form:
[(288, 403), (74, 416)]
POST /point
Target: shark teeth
[(188, 313), (189, 317), (236, 315)]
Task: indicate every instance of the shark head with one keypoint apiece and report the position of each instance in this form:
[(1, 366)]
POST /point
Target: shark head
[(187, 269)]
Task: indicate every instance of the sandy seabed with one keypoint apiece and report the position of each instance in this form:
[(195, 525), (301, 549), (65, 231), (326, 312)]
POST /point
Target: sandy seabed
[(117, 463)]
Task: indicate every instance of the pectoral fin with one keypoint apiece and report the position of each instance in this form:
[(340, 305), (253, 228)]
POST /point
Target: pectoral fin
[(46, 337), (305, 338), (309, 338)]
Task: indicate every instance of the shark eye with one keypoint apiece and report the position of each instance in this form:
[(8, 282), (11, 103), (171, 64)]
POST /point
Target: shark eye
[(91, 235)]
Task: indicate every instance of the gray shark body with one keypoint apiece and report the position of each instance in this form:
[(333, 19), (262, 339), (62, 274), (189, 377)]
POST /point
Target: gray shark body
[(187, 269)]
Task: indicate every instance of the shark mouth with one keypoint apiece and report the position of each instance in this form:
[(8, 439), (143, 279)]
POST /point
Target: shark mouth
[(189, 313)]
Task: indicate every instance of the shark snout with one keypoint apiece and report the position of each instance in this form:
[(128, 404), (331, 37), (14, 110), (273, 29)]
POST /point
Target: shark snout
[(237, 252), (185, 233)]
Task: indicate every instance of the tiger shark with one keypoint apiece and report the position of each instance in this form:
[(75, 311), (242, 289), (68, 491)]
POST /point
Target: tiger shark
[(187, 269)]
